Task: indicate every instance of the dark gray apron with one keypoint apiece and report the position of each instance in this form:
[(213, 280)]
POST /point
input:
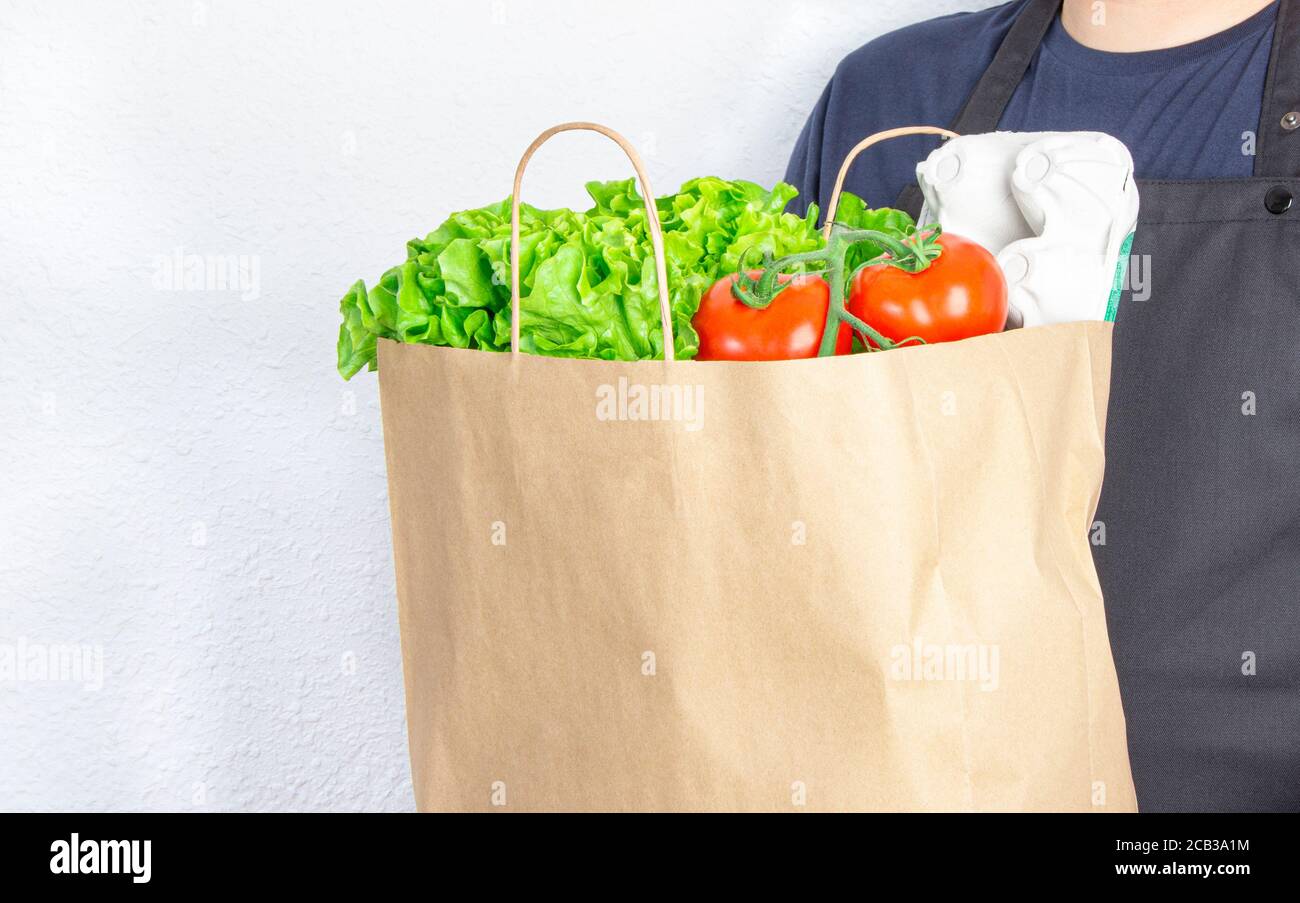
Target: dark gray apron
[(1201, 502)]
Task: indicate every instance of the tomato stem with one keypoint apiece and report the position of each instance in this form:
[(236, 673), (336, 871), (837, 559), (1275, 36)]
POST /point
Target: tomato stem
[(912, 253), (837, 250), (867, 332), (759, 293)]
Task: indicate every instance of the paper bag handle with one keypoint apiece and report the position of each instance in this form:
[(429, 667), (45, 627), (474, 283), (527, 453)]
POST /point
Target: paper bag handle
[(652, 219), (862, 145)]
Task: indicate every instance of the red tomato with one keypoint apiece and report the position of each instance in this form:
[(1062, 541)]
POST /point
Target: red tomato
[(961, 294), (790, 327)]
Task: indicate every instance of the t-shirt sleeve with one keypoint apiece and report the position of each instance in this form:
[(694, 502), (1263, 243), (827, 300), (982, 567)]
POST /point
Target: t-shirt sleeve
[(804, 168), (918, 75), (875, 88)]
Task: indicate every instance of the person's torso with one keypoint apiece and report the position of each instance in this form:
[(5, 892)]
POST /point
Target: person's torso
[(1197, 533), (1187, 112)]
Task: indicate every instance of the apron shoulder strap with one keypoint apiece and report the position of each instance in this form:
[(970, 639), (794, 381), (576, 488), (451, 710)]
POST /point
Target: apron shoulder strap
[(993, 91)]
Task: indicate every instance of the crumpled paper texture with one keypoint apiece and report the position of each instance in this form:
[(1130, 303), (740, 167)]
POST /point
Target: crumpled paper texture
[(860, 583)]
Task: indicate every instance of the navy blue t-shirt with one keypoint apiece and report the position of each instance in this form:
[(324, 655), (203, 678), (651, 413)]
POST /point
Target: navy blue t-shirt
[(1187, 112)]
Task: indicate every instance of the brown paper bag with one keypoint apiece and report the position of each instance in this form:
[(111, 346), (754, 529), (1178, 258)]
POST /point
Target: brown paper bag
[(857, 583)]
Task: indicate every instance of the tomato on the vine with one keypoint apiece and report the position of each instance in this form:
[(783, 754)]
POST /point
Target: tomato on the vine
[(962, 293), (791, 326)]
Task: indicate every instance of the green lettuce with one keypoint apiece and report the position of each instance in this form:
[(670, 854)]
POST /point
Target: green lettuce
[(588, 282)]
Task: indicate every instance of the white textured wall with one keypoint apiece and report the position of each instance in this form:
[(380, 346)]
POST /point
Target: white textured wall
[(187, 486)]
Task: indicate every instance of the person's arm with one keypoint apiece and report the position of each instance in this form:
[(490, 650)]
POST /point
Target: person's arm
[(918, 75), (804, 169)]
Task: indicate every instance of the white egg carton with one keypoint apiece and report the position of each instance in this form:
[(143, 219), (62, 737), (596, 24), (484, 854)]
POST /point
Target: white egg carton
[(1058, 209)]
